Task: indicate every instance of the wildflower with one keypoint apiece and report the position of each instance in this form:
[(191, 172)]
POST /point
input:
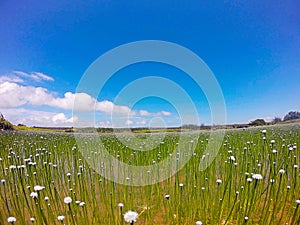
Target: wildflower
[(167, 196), (199, 223), (274, 151), (11, 219), (264, 131), (281, 171), (249, 180), (257, 176), (46, 198), (61, 218), (181, 185), (67, 200), (130, 217), (38, 188), (232, 158), (298, 201), (33, 194), (68, 174), (219, 181), (32, 219), (81, 204), (3, 181), (272, 141), (246, 218), (120, 205)]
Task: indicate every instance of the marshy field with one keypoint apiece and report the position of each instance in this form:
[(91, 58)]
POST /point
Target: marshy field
[(254, 179)]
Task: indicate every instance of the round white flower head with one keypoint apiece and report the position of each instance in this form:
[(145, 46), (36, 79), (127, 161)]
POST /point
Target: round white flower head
[(219, 181), (281, 171), (264, 131), (32, 219), (61, 218), (120, 205), (81, 204), (131, 216), (199, 223), (249, 180), (77, 202), (257, 176), (38, 188), (2, 181), (181, 185), (167, 196), (67, 200), (11, 219), (298, 201), (68, 174), (33, 194), (272, 141), (46, 198), (232, 158), (246, 218)]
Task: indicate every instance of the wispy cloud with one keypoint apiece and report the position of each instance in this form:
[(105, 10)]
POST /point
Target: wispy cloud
[(36, 76)]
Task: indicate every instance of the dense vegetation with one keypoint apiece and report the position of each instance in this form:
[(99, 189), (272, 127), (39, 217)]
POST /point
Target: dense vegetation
[(253, 180)]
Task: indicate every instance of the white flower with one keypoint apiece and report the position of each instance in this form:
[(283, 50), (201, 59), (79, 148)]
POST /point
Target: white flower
[(219, 181), (232, 158), (11, 219), (33, 194), (246, 218), (3, 181), (298, 201), (38, 188), (181, 185), (32, 219), (281, 171), (257, 176), (68, 174), (249, 180), (121, 205), (46, 198), (167, 196), (199, 223), (67, 200), (61, 218), (272, 141), (264, 131), (274, 151), (77, 202), (81, 204), (130, 216)]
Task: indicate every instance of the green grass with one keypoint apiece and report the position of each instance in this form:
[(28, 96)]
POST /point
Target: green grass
[(49, 157)]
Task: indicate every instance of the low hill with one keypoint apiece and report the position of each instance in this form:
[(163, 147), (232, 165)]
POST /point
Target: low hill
[(4, 124)]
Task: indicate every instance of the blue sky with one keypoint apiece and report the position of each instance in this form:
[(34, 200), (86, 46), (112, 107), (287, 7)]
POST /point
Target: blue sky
[(252, 47)]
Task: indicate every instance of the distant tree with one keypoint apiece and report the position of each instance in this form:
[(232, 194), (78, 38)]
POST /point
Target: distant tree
[(292, 116), (258, 122), (276, 120)]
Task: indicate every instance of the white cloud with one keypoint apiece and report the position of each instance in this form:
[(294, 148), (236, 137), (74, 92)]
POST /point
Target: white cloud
[(37, 118), (13, 79), (14, 95), (142, 122), (144, 113), (165, 113), (36, 76), (128, 122)]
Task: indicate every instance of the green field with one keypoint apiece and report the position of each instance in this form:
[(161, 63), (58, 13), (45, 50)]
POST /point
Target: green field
[(225, 193)]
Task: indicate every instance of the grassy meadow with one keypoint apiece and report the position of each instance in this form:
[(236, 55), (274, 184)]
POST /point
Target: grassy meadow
[(253, 180)]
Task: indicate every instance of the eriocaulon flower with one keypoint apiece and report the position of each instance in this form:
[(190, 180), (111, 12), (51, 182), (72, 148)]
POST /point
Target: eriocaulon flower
[(130, 217)]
